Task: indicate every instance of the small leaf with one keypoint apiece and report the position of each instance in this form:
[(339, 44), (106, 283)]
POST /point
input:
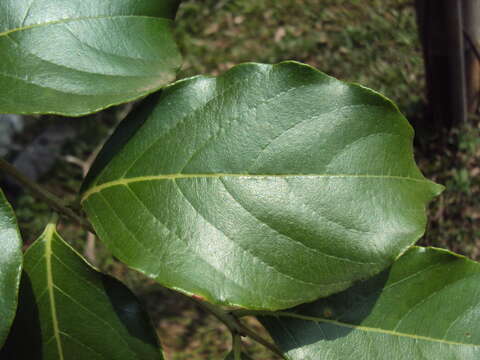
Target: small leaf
[(266, 187), (68, 310), (74, 57), (426, 306), (10, 266)]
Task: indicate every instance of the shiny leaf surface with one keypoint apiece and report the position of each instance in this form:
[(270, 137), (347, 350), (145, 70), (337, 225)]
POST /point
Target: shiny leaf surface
[(426, 306), (75, 57), (10, 266), (68, 310), (266, 187)]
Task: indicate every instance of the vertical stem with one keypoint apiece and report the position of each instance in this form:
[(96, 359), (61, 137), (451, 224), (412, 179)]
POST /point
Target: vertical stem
[(237, 347), (440, 23), (42, 194), (459, 101), (54, 219), (471, 28)]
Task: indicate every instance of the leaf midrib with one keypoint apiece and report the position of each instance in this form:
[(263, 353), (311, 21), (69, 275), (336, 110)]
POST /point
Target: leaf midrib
[(368, 328), (126, 181), (67, 20), (49, 232)]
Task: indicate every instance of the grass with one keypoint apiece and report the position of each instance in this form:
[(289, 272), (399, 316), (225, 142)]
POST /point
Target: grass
[(454, 218), (374, 43)]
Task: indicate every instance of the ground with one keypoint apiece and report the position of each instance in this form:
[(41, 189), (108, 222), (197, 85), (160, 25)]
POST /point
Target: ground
[(374, 43)]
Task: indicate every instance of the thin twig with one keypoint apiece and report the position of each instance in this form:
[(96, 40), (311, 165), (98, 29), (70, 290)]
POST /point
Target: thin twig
[(242, 313), (229, 321), (254, 336), (239, 313), (44, 195)]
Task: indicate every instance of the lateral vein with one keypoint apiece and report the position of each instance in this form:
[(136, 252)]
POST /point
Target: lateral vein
[(62, 21)]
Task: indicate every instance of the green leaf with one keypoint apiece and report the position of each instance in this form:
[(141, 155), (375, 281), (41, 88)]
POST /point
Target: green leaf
[(426, 306), (68, 310), (10, 266), (267, 187), (75, 57)]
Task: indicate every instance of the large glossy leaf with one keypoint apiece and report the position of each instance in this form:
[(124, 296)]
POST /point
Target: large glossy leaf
[(426, 306), (68, 310), (10, 266), (266, 187), (75, 57)]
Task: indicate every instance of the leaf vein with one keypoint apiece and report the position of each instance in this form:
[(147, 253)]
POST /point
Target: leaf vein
[(49, 232), (62, 21), (82, 344), (244, 249), (367, 328), (317, 251), (29, 51), (184, 241), (124, 181), (115, 331)]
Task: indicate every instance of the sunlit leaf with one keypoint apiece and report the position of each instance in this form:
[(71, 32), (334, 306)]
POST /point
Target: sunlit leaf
[(10, 266), (266, 187), (75, 57)]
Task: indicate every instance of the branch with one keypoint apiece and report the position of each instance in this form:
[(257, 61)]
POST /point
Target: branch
[(254, 336), (229, 321), (242, 313), (40, 193)]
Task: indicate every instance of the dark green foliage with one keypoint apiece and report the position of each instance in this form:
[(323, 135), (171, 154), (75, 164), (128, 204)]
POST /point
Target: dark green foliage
[(76, 57), (10, 266), (68, 310), (279, 182), (425, 306)]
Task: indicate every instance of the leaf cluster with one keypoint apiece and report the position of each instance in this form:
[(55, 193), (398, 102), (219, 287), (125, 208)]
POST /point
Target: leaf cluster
[(273, 191)]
